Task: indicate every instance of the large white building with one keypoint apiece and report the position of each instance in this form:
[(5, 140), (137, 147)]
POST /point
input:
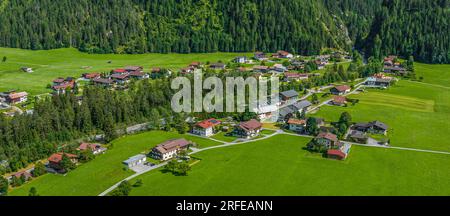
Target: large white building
[(205, 128), (169, 149)]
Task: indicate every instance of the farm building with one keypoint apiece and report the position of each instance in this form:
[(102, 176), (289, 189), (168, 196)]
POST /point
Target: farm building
[(340, 90), (169, 149), (135, 160), (289, 95)]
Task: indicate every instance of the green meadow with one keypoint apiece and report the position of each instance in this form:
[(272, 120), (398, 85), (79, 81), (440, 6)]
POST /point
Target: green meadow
[(280, 166), (50, 64), (434, 73), (94, 177), (417, 113), (276, 166)]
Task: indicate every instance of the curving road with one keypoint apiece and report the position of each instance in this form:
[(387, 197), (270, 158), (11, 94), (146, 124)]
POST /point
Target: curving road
[(277, 132)]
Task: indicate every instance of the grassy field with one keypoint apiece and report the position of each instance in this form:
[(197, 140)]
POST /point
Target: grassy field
[(95, 176), (418, 114), (222, 137), (50, 64), (279, 166), (434, 74)]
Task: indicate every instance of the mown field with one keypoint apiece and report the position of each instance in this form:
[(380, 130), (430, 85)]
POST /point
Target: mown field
[(275, 166), (417, 113), (50, 64), (279, 166), (434, 73), (94, 177)]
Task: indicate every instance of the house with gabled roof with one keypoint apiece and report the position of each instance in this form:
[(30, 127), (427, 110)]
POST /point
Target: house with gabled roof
[(130, 69), (328, 140), (169, 149), (206, 127), (296, 125), (54, 161), (139, 75), (290, 76), (260, 56), (340, 90), (94, 147), (375, 127), (289, 95), (339, 100), (284, 54), (61, 85), (301, 106), (195, 65), (248, 129), (13, 97), (260, 68), (241, 59), (103, 82), (217, 66), (120, 78), (286, 113), (90, 76)]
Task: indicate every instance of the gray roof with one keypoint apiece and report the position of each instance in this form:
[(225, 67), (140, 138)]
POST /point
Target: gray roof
[(290, 93), (286, 111), (134, 158), (358, 135), (380, 125), (302, 104)]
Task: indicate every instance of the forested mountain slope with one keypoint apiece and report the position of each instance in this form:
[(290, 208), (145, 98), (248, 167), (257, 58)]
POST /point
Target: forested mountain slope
[(417, 27), (137, 26)]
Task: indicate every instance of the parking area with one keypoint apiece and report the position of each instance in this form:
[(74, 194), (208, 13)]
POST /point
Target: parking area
[(142, 167)]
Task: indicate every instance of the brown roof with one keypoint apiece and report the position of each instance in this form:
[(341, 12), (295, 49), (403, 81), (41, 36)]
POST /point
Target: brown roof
[(295, 75), (91, 75), (59, 80), (133, 68), (92, 146), (102, 80), (328, 136), (253, 124), (156, 70), (17, 95), (297, 121), (342, 88), (171, 145), (22, 173), (119, 76), (261, 67), (339, 99), (283, 53), (137, 74), (57, 157)]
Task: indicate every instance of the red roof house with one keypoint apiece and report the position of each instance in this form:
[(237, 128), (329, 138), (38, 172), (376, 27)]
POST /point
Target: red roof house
[(339, 100), (206, 127), (336, 154), (340, 90)]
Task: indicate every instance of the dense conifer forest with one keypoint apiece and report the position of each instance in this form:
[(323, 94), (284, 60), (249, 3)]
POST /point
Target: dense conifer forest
[(377, 27)]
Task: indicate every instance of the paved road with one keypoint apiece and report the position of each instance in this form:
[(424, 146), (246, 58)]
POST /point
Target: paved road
[(277, 132), (195, 150)]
